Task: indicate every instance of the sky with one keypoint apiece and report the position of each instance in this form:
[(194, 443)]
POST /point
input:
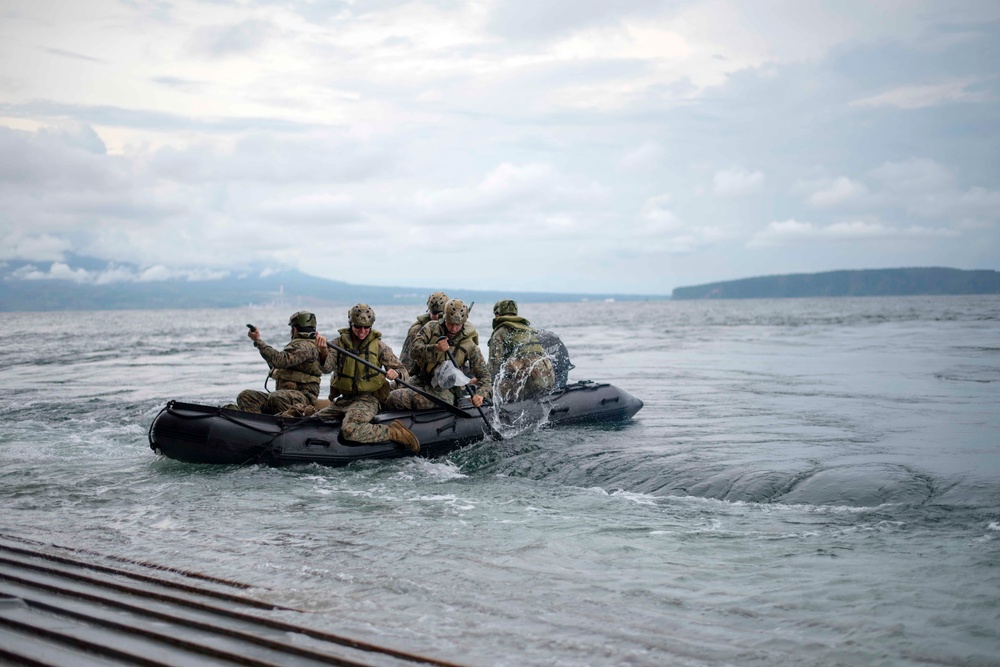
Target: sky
[(631, 146)]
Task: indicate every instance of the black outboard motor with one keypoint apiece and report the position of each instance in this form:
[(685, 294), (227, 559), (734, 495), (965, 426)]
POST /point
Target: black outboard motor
[(558, 354)]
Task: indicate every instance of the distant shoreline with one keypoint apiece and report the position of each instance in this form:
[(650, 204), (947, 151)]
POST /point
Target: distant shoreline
[(932, 281)]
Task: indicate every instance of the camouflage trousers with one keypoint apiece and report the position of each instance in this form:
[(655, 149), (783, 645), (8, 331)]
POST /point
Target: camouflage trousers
[(520, 379), (356, 414), (251, 400), (407, 399)]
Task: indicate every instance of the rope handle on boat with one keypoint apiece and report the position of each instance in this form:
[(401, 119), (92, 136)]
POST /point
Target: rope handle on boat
[(149, 433)]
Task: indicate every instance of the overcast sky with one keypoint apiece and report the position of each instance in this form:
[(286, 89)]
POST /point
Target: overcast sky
[(571, 145)]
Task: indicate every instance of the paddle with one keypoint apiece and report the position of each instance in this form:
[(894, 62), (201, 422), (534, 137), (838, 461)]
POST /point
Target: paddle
[(495, 434), (444, 404)]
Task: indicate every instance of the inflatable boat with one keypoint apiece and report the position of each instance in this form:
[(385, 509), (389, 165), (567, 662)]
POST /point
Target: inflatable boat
[(204, 434)]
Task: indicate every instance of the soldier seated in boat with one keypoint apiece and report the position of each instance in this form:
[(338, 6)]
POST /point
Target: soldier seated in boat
[(358, 392), (518, 362), (435, 309), (452, 334), (295, 369)]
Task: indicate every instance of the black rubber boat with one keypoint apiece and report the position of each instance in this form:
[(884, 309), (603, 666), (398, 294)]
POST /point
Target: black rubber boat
[(204, 434)]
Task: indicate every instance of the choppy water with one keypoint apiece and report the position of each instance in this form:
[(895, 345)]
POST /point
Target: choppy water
[(811, 482)]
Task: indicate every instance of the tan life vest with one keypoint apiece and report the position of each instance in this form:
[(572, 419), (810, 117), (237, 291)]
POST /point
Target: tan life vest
[(465, 341), (302, 374)]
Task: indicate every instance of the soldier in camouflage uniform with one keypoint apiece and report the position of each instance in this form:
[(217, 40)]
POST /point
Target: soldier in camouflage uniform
[(358, 392), (518, 362), (296, 369), (435, 308), (430, 347)]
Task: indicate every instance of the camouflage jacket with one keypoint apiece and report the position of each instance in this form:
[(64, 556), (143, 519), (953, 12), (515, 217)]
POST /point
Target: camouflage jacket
[(296, 366), (464, 346), (404, 353), (512, 337)]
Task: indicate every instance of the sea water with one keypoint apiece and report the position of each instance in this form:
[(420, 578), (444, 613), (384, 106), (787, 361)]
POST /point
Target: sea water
[(810, 482)]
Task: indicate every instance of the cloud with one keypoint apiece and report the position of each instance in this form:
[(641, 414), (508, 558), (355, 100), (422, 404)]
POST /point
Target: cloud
[(642, 157), (186, 85), (840, 191), (658, 215), (146, 119), (319, 135), (235, 39), (913, 177), (528, 20), (78, 56), (926, 189), (113, 274), (737, 182), (58, 271), (508, 187), (73, 156), (321, 156), (793, 232), (922, 96), (38, 248), (312, 208)]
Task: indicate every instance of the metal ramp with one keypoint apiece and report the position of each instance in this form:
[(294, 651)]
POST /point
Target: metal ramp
[(68, 608)]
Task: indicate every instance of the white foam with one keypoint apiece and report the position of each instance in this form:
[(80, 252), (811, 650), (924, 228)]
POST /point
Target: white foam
[(449, 499), (441, 471), (637, 498)]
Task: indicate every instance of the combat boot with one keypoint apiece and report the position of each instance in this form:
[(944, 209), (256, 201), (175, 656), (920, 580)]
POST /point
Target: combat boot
[(299, 411), (404, 436)]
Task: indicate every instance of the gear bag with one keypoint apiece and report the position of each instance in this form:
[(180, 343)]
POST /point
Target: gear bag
[(446, 376), (558, 354)]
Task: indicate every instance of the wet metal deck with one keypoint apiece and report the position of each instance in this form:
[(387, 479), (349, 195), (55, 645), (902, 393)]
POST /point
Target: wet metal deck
[(59, 607)]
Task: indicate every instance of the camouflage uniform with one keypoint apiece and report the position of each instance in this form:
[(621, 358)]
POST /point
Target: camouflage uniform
[(464, 346), (435, 306), (404, 353), (297, 371), (407, 358), (518, 361), (357, 393)]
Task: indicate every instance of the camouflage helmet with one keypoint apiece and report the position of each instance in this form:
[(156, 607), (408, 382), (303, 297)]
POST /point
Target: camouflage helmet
[(436, 302), (302, 320), (456, 312), (505, 307), (361, 315)]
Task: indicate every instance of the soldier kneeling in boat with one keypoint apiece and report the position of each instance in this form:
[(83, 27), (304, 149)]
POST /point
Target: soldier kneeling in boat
[(435, 309), (295, 368), (452, 335), (518, 362), (357, 391)]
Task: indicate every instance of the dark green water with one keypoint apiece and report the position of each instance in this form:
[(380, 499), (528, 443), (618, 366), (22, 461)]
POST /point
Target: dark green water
[(811, 482)]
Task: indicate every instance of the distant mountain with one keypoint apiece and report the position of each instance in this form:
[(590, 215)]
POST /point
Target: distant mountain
[(869, 282), (82, 283)]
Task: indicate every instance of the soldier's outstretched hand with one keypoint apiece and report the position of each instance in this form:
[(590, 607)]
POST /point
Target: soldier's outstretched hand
[(253, 334), (321, 341)]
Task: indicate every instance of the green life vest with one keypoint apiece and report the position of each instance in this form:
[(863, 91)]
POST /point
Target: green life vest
[(464, 342), (517, 337), (353, 377)]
